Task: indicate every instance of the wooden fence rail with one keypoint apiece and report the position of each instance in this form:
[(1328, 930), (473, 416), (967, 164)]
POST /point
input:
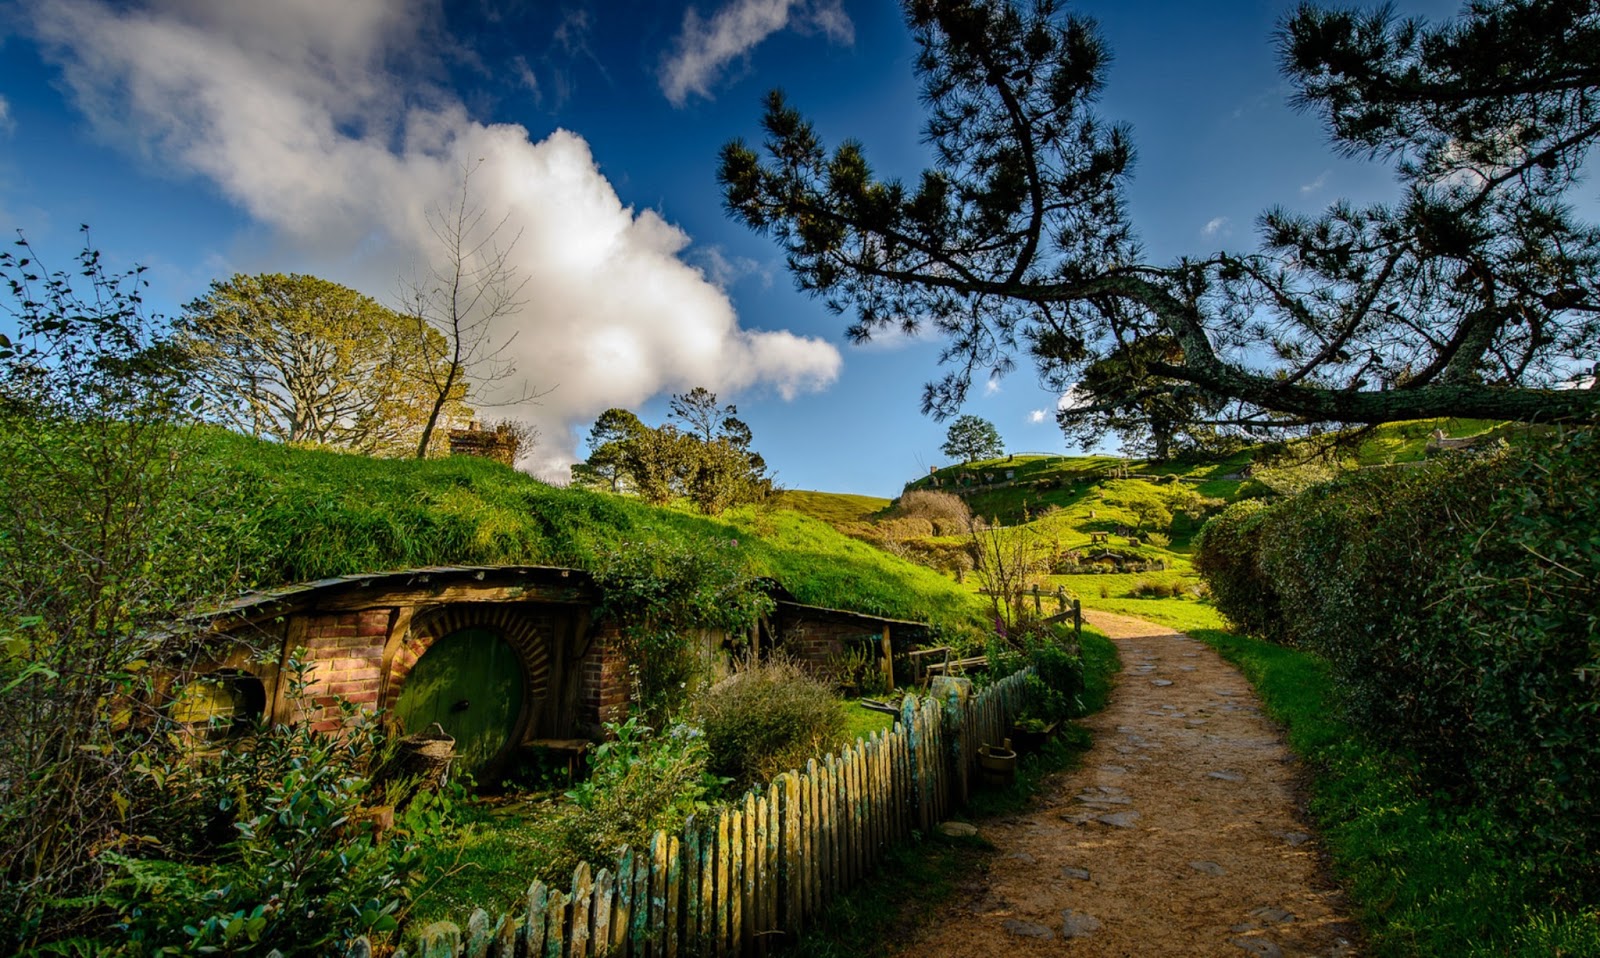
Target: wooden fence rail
[(757, 872)]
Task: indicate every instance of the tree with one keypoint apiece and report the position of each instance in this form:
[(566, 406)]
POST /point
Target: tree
[(700, 415), (96, 543), (1476, 294), (1151, 414), (711, 463), (607, 450), (971, 438), (301, 359), (657, 463), (456, 311)]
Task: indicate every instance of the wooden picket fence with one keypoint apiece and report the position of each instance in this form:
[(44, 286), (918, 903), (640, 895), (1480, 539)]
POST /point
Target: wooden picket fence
[(754, 874)]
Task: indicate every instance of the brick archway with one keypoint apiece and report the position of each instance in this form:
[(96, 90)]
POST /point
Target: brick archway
[(528, 629)]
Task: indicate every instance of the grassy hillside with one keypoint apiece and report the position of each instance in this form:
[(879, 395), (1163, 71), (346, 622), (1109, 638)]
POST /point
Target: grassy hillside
[(1057, 503), (278, 515)]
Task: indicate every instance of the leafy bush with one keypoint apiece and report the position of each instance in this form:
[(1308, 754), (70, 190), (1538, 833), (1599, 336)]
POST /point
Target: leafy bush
[(1227, 553), (1060, 668), (639, 782), (1457, 606), (1150, 589), (265, 844), (662, 592), (766, 718)]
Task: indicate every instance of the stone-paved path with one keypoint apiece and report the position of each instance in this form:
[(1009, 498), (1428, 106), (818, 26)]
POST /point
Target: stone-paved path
[(1179, 835)]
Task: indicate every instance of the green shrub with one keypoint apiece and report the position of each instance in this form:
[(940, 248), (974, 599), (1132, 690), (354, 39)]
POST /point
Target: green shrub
[(639, 783), (1058, 665), (264, 843), (662, 592), (1227, 553), (1457, 605), (767, 718)]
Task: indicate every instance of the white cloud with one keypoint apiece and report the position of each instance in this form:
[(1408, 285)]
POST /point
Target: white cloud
[(6, 123), (725, 272), (1315, 185), (303, 115), (1216, 226), (704, 47), (1073, 398), (1037, 416), (991, 387)]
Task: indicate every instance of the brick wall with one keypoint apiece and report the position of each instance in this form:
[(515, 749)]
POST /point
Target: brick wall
[(816, 642), (345, 655), (602, 683)]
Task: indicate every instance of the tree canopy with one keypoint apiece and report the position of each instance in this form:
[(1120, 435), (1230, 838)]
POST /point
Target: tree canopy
[(301, 359), (709, 462), (972, 437), (1475, 293)]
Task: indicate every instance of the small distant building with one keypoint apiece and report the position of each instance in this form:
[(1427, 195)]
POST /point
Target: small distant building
[(497, 444)]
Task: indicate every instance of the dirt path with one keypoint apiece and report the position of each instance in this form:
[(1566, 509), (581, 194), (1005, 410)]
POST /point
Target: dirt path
[(1179, 835)]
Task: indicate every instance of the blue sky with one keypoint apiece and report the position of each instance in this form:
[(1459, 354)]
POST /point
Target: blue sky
[(202, 139)]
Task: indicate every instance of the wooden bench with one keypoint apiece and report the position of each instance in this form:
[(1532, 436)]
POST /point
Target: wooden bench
[(570, 749)]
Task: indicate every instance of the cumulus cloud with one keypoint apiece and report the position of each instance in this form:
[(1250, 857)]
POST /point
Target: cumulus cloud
[(318, 120), (991, 386), (1216, 226), (705, 47), (1037, 416)]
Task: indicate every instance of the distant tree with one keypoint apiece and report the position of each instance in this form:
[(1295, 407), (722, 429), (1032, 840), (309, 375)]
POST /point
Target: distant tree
[(658, 462), (607, 450), (700, 416), (971, 438), (458, 309), (1476, 294), (710, 462), (300, 359), (518, 434), (1150, 414)]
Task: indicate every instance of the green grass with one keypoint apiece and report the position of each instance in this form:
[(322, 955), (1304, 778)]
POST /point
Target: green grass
[(274, 515), (498, 851), (834, 508), (861, 722)]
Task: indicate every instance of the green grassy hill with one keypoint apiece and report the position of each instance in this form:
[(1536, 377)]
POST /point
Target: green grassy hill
[(1056, 503), (272, 515)]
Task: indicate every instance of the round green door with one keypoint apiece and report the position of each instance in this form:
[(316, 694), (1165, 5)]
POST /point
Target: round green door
[(470, 682)]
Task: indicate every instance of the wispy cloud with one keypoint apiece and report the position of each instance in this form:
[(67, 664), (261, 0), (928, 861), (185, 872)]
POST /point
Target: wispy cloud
[(1037, 416), (319, 122), (1315, 185), (724, 272), (7, 125), (1216, 227), (991, 387), (705, 47)]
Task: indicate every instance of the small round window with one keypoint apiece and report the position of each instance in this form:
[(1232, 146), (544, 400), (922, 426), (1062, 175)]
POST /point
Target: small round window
[(224, 703)]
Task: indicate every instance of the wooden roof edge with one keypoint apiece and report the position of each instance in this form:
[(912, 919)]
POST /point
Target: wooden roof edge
[(848, 614), (263, 600)]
